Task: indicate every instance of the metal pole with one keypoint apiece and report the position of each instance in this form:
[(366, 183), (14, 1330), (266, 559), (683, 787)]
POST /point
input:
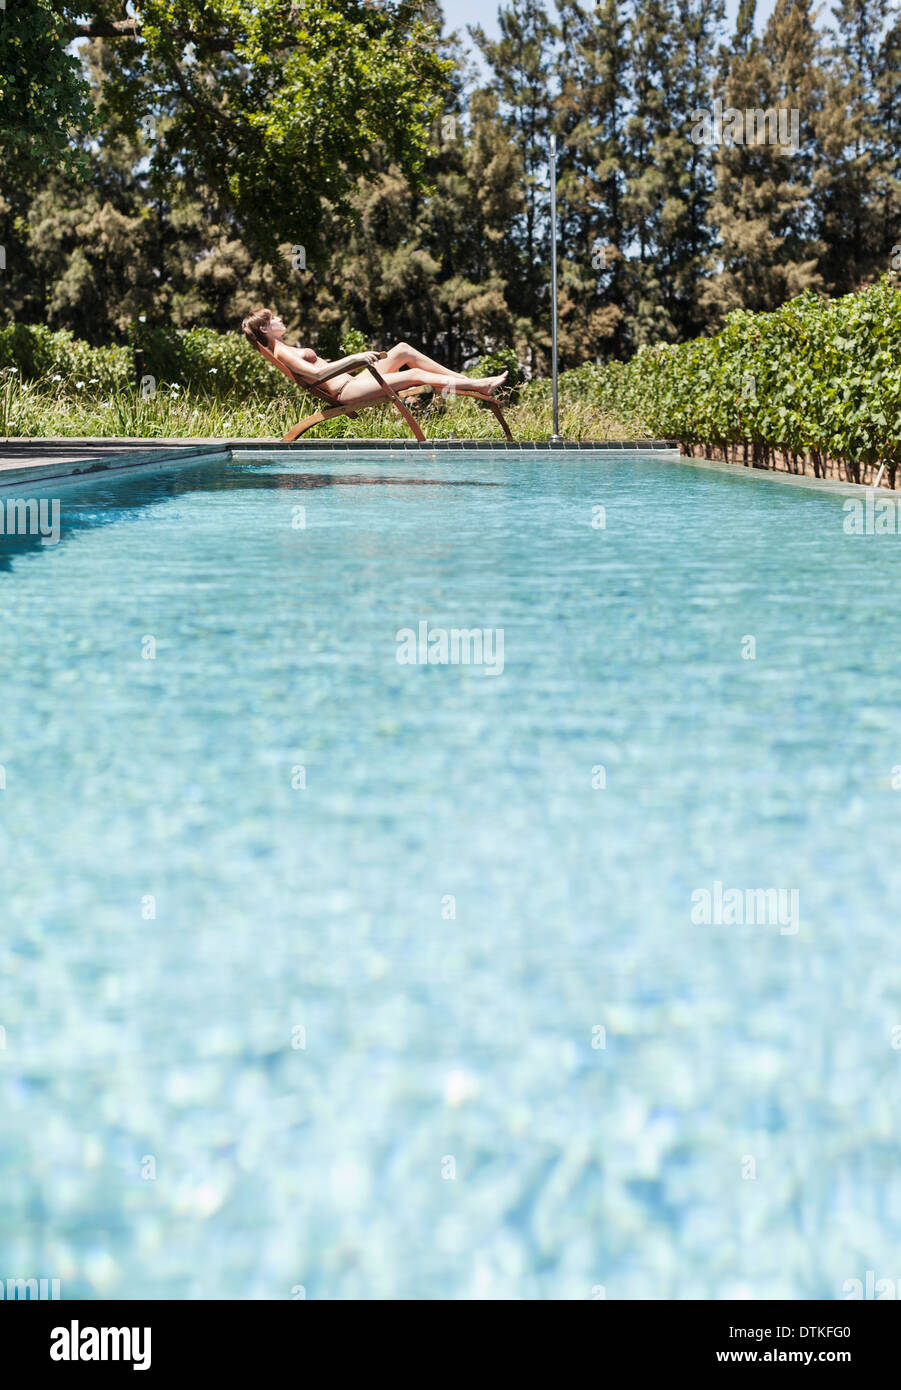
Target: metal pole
[(555, 437)]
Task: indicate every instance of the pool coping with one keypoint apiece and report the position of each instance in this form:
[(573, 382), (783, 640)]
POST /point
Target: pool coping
[(83, 458), (49, 459), (749, 472), (41, 460)]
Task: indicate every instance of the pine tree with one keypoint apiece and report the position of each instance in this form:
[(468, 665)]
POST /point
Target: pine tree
[(767, 248), (856, 181), (649, 128), (888, 105), (685, 236), (591, 111), (521, 64)]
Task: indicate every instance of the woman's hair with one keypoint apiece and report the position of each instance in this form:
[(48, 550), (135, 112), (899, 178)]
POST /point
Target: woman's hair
[(256, 327)]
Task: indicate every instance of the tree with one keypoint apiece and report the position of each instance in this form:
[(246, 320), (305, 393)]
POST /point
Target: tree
[(685, 235), (274, 106), (330, 160), (434, 269), (767, 248), (888, 105), (855, 183), (650, 121), (44, 99), (591, 113), (521, 70)]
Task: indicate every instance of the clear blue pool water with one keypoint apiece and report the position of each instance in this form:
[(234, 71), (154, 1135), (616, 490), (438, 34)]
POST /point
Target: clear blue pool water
[(448, 1129)]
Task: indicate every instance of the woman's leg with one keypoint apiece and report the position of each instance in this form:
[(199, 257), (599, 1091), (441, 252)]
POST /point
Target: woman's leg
[(362, 389), (403, 355)]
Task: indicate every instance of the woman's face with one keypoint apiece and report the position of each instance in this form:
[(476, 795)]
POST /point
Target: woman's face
[(276, 327)]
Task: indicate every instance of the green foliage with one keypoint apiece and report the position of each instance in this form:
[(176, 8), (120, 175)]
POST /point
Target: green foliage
[(198, 359), (44, 99), (38, 353), (202, 360), (233, 133), (47, 409), (501, 360), (354, 341), (817, 376), (281, 105), (211, 385)]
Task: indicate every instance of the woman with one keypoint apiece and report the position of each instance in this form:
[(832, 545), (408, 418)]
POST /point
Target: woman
[(267, 328)]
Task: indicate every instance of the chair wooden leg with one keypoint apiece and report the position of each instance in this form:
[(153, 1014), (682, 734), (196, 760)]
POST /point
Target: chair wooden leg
[(392, 394), (493, 405), (317, 419), (304, 425), (394, 397), (409, 419)]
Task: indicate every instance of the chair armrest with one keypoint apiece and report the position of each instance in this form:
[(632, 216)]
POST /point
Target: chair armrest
[(349, 364)]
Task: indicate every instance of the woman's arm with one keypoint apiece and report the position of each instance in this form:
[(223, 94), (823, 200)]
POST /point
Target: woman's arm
[(347, 365), (310, 373), (297, 361), (357, 359)]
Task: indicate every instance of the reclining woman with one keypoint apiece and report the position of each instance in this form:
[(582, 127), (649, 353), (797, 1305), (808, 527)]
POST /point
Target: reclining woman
[(268, 329)]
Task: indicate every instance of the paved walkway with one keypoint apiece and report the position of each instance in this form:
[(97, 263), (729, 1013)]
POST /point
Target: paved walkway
[(43, 460)]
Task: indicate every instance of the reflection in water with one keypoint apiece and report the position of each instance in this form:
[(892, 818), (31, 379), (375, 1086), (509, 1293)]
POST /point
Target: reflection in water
[(100, 502)]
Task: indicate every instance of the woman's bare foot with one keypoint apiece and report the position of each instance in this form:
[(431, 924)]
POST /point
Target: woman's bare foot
[(489, 383)]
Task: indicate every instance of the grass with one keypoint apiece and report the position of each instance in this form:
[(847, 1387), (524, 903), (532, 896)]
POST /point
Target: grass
[(67, 409)]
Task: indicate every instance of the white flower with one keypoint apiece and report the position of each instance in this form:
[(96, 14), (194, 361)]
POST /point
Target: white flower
[(213, 371), (142, 318), (79, 385), (56, 378), (94, 380)]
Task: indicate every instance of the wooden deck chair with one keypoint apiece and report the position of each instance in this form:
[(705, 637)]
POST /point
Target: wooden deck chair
[(318, 387)]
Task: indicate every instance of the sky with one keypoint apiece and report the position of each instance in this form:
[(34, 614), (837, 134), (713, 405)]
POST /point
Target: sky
[(459, 13)]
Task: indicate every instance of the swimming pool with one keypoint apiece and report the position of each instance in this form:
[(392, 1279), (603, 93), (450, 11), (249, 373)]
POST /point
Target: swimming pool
[(331, 973)]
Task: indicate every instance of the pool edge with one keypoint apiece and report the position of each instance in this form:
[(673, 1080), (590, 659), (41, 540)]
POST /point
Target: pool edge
[(112, 456)]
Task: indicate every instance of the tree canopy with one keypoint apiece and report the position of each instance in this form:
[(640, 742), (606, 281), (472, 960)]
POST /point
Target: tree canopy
[(45, 109), (273, 105), (345, 163)]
